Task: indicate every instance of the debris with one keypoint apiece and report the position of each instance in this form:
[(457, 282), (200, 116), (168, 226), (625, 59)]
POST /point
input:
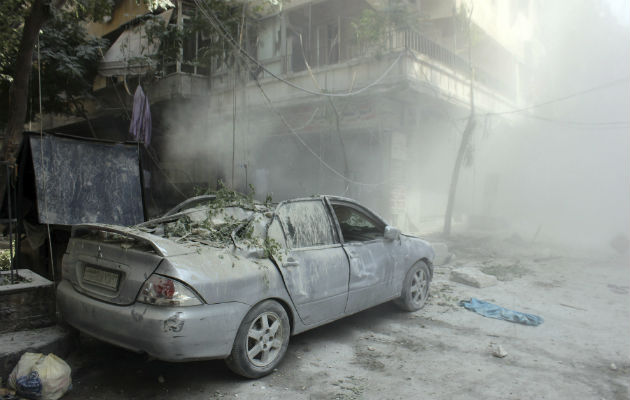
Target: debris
[(370, 348), (473, 277), (573, 307), (493, 311), (39, 376), (613, 366), (497, 351), (161, 379)]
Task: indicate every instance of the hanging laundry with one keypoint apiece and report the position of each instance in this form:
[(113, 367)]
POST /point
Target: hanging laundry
[(140, 126)]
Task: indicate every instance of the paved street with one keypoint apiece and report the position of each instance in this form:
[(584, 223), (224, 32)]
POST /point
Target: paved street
[(582, 350)]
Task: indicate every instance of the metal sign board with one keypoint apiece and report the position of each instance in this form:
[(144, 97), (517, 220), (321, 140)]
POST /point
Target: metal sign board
[(81, 181)]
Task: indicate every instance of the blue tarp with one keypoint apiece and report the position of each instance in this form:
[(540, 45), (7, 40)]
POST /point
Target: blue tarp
[(493, 311)]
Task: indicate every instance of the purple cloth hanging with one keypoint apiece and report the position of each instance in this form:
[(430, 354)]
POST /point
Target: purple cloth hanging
[(140, 126)]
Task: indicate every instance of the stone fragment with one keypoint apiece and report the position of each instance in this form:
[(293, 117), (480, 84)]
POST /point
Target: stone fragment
[(498, 351), (472, 277)]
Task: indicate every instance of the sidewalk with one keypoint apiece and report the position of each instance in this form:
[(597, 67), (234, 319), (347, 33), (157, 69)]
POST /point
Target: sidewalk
[(53, 339)]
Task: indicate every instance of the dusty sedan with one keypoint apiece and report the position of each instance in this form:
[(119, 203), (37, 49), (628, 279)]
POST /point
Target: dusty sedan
[(231, 278)]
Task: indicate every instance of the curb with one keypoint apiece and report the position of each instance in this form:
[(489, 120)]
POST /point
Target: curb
[(54, 339)]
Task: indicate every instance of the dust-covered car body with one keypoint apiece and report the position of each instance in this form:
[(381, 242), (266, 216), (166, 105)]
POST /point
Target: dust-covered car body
[(234, 279)]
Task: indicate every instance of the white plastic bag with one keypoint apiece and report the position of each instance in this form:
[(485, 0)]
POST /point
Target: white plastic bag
[(53, 372), (23, 367), (55, 376)]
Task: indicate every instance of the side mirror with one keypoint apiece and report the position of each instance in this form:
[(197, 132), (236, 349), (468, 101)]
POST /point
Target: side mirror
[(391, 233)]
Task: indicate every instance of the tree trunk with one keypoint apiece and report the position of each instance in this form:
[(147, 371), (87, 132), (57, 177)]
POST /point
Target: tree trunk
[(470, 126), (18, 93)]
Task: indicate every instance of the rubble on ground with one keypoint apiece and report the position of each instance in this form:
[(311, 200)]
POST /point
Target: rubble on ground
[(472, 277)]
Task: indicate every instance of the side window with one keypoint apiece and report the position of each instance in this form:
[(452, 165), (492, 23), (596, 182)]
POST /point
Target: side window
[(306, 224), (275, 232), (357, 226)]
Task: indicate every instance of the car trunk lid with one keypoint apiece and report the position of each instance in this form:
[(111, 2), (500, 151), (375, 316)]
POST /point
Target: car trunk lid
[(112, 263)]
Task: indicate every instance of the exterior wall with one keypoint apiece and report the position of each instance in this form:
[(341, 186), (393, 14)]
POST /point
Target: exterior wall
[(125, 11), (400, 136)]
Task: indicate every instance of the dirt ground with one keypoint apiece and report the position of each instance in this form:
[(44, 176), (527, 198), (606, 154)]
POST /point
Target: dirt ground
[(581, 351)]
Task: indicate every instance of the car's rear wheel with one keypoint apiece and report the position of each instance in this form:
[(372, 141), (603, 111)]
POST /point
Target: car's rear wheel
[(415, 288), (261, 340)]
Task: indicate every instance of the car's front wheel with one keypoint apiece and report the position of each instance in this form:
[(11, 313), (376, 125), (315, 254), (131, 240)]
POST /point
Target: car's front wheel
[(261, 340), (415, 288)]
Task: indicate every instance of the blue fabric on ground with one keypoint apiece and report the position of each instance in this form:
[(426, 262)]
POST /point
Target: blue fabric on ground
[(493, 311)]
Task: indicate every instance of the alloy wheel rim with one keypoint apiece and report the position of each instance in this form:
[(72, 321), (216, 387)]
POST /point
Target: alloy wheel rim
[(418, 287), (264, 339)]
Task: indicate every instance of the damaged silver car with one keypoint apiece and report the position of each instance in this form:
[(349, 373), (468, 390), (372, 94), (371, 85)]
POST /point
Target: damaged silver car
[(227, 277)]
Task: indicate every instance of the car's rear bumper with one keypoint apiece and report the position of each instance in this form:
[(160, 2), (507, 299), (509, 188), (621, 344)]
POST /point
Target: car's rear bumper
[(166, 333)]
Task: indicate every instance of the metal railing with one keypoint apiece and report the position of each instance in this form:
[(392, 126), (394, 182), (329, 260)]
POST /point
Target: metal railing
[(419, 43), (392, 41)]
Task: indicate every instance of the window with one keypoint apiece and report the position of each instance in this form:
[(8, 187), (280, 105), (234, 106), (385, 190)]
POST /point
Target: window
[(306, 224), (357, 226), (275, 233)]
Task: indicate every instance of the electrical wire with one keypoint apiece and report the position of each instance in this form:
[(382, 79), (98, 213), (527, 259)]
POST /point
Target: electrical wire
[(41, 153), (222, 30), (324, 163), (155, 161), (583, 124), (576, 124), (563, 98)]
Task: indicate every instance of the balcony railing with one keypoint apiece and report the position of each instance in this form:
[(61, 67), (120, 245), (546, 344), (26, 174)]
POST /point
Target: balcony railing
[(396, 41), (393, 41), (419, 43)]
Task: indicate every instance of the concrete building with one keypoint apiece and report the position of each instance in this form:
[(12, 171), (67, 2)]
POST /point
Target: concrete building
[(386, 131)]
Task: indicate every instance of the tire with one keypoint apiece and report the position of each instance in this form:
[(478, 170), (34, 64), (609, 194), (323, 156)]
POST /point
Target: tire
[(261, 340), (415, 288)]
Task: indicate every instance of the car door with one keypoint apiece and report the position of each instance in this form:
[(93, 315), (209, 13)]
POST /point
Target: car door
[(315, 269), (369, 254)]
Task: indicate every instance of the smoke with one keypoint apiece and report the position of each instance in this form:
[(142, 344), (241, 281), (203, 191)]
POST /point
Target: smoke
[(560, 171), (555, 168)]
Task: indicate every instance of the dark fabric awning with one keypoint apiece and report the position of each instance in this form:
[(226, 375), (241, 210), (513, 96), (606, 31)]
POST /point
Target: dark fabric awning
[(83, 181)]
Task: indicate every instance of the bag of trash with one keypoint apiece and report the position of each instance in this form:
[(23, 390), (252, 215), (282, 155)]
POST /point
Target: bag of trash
[(55, 376), (23, 368), (52, 371), (29, 386)]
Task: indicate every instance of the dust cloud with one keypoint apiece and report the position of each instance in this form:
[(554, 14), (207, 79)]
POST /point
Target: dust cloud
[(553, 168)]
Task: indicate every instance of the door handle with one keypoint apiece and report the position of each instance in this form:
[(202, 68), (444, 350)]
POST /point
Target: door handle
[(291, 262)]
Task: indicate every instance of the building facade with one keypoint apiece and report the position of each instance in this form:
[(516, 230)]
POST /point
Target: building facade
[(327, 96)]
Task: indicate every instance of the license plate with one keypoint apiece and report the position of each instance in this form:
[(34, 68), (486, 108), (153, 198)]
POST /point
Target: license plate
[(100, 277)]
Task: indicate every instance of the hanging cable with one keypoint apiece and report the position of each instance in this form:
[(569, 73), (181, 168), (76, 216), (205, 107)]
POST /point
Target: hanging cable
[(41, 153), (324, 163), (222, 30)]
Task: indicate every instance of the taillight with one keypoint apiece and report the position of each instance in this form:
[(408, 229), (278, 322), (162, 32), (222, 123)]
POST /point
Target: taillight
[(162, 291)]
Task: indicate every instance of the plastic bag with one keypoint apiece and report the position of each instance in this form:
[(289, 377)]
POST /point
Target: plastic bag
[(29, 386), (53, 372), (55, 376), (23, 368)]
